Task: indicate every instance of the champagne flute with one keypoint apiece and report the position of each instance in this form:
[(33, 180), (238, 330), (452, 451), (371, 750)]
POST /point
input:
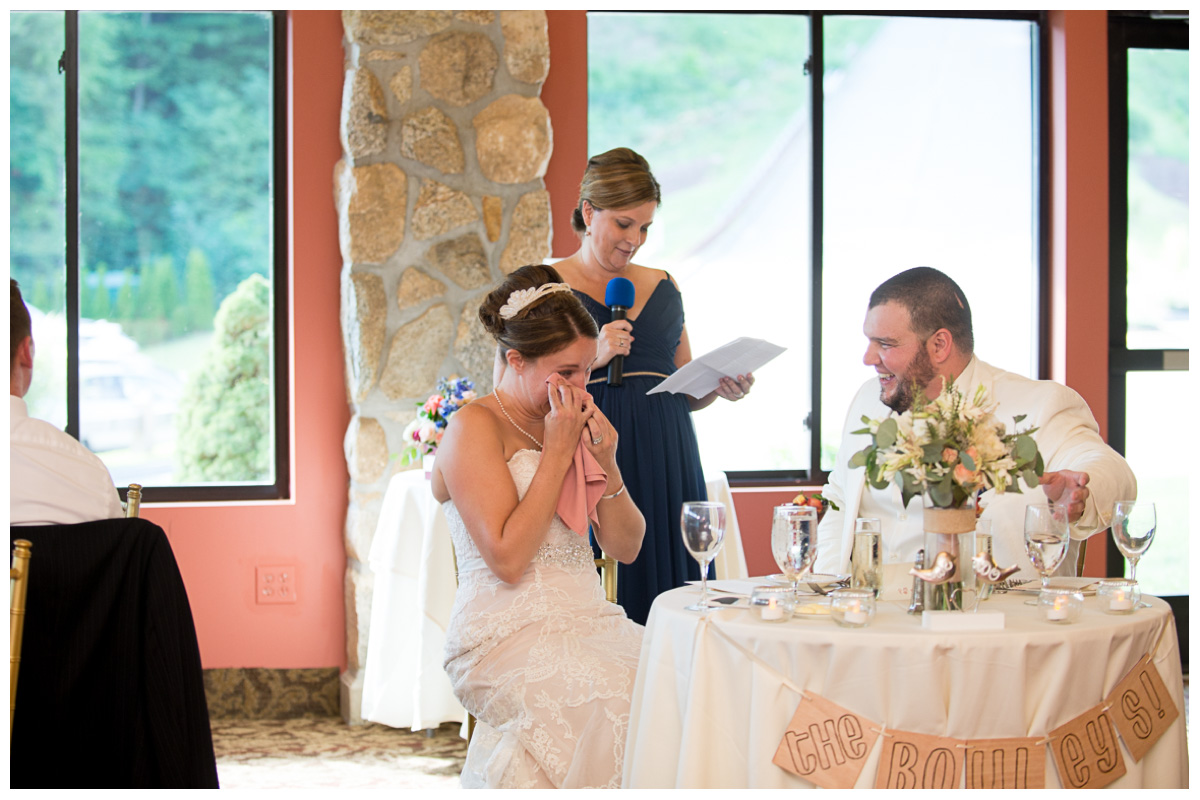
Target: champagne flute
[(793, 540), (1133, 527), (703, 526), (1047, 536)]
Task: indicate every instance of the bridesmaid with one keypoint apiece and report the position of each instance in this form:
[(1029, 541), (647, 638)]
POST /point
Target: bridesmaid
[(659, 457)]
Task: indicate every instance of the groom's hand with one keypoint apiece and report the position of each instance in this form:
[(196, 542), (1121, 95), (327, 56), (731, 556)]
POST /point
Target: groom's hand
[(1068, 488)]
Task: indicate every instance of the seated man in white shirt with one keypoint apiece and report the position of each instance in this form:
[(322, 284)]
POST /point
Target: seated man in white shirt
[(918, 330), (54, 480)]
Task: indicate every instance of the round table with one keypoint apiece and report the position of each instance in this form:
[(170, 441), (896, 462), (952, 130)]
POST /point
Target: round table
[(712, 698)]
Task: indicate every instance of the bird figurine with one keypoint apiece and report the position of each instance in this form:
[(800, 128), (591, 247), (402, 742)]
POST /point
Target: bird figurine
[(943, 567), (987, 570)]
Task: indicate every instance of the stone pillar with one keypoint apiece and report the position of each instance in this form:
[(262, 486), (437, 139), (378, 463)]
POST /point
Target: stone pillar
[(439, 194)]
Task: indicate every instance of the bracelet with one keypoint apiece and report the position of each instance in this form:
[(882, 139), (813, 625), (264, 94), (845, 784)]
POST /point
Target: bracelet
[(617, 493)]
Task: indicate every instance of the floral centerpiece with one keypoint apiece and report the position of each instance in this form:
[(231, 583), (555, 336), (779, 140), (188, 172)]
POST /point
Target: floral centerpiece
[(424, 434), (949, 449)]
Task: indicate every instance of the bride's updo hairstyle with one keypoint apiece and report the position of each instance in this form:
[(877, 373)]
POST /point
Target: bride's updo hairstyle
[(546, 325), (619, 178)]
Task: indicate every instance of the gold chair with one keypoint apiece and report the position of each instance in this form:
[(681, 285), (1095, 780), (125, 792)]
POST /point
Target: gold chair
[(133, 500), (18, 583), (608, 575)]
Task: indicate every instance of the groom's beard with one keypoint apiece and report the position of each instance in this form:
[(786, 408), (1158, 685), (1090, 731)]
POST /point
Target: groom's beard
[(919, 374)]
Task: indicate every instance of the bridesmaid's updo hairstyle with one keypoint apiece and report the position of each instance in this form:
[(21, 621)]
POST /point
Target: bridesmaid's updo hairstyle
[(548, 324), (619, 178)]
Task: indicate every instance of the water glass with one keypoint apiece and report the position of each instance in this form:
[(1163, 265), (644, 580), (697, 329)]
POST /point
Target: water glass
[(703, 528), (852, 608), (866, 559), (794, 539), (983, 544)]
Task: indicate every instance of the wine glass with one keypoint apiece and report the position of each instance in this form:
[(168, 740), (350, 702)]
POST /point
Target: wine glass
[(1133, 526), (794, 540), (703, 526), (1047, 536)]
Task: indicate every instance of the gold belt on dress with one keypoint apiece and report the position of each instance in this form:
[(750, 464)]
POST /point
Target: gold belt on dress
[(628, 375)]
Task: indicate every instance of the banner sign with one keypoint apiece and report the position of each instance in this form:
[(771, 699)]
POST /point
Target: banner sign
[(825, 744), (918, 761), (1006, 763), (1086, 752), (828, 745), (1141, 708)]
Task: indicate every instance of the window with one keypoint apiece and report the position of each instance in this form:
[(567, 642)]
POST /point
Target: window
[(149, 245), (804, 158), (1148, 306)]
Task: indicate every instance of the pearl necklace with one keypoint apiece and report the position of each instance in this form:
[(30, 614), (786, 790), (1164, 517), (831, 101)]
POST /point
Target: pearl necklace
[(510, 419)]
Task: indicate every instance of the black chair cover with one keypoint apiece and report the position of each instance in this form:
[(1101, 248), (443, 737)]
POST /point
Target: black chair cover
[(111, 693)]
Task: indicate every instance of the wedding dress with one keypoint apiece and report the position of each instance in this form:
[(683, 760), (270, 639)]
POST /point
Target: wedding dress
[(545, 665)]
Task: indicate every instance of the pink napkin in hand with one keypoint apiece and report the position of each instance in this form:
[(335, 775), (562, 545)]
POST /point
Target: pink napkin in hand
[(584, 485)]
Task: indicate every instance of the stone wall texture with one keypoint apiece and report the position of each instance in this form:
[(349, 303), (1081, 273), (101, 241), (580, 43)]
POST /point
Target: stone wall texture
[(439, 195)]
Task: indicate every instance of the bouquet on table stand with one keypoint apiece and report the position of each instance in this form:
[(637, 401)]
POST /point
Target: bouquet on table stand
[(950, 450), (424, 434)]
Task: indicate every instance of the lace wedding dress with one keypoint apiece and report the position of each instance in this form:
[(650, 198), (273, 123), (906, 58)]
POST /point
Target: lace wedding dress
[(545, 665)]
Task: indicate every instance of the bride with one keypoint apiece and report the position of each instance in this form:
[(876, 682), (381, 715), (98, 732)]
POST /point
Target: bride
[(534, 651)]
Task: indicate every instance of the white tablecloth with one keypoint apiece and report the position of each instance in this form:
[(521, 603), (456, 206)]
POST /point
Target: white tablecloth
[(404, 685), (707, 715), (731, 561)]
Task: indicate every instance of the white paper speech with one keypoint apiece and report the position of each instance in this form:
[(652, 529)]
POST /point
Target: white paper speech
[(702, 375)]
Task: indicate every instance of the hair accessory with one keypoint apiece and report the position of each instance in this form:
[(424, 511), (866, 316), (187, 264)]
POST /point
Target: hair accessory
[(526, 297)]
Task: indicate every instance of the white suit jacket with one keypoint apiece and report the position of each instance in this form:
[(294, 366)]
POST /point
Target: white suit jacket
[(1067, 437)]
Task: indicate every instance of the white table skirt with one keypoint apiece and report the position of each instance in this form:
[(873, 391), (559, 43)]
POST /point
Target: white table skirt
[(705, 715), (404, 684), (731, 561)]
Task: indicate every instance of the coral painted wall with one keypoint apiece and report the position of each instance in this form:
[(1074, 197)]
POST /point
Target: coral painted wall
[(218, 547)]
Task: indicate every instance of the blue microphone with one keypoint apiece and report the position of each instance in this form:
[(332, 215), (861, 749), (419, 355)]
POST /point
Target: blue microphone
[(618, 296)]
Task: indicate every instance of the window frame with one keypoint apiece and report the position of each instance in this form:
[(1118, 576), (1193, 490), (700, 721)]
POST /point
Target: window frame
[(280, 488), (1042, 206), (1127, 31)]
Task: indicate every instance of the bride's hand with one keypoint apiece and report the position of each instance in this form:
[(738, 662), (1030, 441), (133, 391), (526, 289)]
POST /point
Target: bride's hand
[(599, 436), (569, 412)]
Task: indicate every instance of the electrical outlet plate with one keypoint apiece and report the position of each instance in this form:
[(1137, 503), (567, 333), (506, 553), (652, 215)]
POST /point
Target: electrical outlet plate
[(275, 584)]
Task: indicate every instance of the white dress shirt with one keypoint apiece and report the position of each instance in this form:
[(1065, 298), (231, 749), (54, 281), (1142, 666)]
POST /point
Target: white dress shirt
[(53, 479)]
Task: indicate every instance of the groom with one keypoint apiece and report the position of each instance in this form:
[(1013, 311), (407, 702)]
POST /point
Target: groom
[(918, 330)]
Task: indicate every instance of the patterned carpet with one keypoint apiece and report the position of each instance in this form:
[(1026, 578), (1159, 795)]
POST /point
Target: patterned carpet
[(325, 753)]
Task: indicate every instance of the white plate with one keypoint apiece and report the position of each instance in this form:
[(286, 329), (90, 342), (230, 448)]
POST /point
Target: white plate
[(1085, 586), (816, 578)]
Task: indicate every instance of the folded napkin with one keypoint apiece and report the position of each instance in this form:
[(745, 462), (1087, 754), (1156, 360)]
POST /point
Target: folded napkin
[(582, 489)]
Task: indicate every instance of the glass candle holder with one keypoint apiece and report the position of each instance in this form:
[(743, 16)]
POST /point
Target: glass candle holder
[(852, 608), (1118, 595), (1060, 606), (773, 603)]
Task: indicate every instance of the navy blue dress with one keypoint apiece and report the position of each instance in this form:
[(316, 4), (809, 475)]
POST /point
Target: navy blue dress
[(657, 451)]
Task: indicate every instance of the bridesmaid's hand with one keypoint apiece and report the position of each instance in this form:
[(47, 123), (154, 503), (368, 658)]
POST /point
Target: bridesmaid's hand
[(735, 390), (616, 339)]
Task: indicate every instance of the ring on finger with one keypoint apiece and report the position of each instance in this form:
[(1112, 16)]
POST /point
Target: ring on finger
[(597, 439)]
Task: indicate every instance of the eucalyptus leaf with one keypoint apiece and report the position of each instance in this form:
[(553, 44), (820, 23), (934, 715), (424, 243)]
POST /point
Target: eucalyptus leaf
[(885, 437), (1026, 449), (967, 461), (859, 459)]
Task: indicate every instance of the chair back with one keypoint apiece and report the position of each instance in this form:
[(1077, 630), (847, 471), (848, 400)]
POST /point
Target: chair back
[(18, 584), (111, 664)]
